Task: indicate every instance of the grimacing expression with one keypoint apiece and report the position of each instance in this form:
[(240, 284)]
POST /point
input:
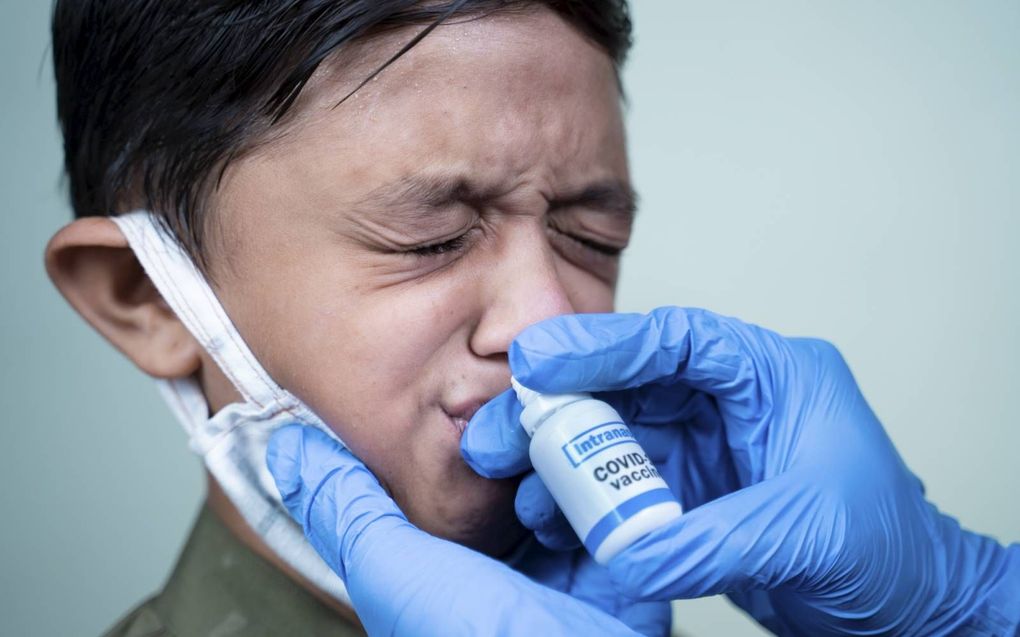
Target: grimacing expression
[(380, 256)]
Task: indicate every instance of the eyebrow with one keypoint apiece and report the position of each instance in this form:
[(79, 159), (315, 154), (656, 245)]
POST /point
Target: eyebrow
[(612, 196)]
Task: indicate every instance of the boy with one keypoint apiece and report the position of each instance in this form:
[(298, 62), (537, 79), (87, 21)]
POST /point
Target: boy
[(381, 194)]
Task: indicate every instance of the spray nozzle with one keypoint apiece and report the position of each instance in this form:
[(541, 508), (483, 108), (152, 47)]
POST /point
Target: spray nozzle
[(539, 406)]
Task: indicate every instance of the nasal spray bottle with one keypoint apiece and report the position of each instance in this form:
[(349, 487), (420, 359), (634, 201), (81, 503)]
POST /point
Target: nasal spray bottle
[(603, 480)]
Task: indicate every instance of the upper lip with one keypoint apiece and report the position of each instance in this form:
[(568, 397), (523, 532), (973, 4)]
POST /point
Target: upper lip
[(465, 409)]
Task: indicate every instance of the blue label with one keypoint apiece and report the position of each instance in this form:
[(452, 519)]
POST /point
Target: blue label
[(619, 515), (590, 442)]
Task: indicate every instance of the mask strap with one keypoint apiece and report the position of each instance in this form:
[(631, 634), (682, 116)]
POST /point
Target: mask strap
[(185, 290), (232, 442)]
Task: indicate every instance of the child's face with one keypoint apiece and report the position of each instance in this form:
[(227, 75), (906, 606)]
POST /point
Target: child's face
[(505, 130)]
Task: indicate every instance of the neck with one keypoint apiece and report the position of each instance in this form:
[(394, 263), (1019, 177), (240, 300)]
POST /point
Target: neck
[(231, 518)]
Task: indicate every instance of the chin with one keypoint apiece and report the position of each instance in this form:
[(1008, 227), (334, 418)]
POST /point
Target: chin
[(495, 539), (477, 513)]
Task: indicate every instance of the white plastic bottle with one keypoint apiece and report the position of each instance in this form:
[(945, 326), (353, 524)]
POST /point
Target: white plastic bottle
[(603, 480)]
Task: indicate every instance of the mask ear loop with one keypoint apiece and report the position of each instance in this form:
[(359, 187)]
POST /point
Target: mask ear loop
[(232, 442), (186, 292)]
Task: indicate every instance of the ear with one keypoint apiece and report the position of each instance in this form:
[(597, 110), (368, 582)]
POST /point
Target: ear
[(91, 264)]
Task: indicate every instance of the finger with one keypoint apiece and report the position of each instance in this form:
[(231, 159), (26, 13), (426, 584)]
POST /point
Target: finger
[(327, 490), (648, 618), (600, 352), (494, 444), (654, 404), (756, 538), (558, 536), (590, 582), (539, 512), (577, 574)]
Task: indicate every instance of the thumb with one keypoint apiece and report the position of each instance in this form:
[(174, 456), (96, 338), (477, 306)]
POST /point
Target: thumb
[(759, 537), (328, 492), (494, 444)]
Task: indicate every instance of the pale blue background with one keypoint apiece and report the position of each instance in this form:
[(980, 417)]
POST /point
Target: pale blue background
[(842, 169)]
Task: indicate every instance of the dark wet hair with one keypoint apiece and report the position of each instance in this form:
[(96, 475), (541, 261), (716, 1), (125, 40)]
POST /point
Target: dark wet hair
[(156, 97)]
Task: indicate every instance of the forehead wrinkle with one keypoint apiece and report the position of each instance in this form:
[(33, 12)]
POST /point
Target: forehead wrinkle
[(428, 192)]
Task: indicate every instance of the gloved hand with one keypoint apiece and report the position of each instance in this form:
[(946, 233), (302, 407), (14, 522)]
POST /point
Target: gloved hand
[(403, 581), (796, 503)]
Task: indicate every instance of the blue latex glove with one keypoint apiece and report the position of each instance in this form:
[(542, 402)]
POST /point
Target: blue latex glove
[(403, 581), (796, 502)]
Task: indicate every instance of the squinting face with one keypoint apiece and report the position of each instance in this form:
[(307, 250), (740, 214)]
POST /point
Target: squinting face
[(379, 257)]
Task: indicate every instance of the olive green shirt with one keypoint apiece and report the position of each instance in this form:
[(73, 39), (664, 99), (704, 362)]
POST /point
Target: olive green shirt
[(220, 587)]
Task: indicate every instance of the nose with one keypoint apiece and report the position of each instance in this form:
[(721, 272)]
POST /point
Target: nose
[(524, 287)]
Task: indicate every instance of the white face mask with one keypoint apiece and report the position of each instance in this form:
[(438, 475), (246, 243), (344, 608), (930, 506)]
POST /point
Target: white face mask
[(232, 443)]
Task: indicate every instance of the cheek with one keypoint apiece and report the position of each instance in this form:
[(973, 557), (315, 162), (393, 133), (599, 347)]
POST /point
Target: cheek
[(380, 367), (366, 363)]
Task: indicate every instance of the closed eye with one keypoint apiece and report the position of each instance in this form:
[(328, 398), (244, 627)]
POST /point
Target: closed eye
[(594, 245), (433, 249), (603, 249)]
